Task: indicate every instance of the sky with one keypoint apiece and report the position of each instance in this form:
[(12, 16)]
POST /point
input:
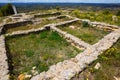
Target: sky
[(67, 1)]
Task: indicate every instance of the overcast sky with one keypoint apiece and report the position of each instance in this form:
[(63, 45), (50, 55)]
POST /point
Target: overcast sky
[(76, 1)]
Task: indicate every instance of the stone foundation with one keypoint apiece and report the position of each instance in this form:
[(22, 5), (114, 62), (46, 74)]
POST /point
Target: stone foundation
[(3, 60), (68, 68)]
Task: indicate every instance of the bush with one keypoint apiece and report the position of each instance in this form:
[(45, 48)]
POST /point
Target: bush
[(106, 12), (76, 13), (85, 24), (118, 13)]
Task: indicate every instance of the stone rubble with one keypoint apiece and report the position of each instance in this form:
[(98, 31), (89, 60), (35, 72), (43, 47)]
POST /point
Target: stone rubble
[(97, 66)]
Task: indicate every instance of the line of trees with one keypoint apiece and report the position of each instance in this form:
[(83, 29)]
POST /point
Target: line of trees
[(6, 10)]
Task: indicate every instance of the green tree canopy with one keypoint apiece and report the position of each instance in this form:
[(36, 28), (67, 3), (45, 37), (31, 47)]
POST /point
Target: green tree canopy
[(6, 10), (118, 13)]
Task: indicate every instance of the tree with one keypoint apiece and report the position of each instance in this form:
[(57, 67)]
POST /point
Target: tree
[(106, 12), (118, 13), (6, 10), (57, 8)]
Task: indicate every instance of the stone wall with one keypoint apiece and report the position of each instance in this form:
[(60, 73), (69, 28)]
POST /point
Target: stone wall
[(25, 32), (3, 60), (1, 28), (46, 14), (67, 69), (38, 20), (101, 25), (16, 24), (72, 39)]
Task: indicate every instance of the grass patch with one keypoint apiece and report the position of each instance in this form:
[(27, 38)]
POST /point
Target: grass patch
[(43, 22), (83, 31), (40, 50)]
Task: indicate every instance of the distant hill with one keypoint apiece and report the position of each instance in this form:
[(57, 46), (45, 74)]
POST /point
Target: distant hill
[(25, 7)]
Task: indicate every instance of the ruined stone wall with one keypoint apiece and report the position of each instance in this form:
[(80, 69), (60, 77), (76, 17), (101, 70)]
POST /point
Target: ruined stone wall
[(47, 14), (101, 25), (3, 60), (72, 39), (12, 25), (67, 69)]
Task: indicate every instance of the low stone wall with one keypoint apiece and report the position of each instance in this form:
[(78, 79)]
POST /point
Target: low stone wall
[(39, 29), (38, 20), (57, 17), (66, 22), (16, 24), (67, 69), (3, 60), (72, 39), (46, 14), (1, 28), (101, 25), (25, 32)]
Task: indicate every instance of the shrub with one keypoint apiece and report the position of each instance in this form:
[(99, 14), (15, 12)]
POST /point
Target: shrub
[(85, 24), (76, 13), (118, 13), (106, 12)]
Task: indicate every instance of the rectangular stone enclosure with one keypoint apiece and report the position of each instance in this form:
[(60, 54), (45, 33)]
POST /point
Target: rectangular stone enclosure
[(84, 31), (38, 50)]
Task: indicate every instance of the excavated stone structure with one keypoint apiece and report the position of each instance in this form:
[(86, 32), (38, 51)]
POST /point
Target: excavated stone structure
[(68, 68)]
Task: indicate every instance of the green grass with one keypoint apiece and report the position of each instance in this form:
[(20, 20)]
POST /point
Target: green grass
[(96, 16), (43, 22), (110, 65), (40, 50), (88, 34)]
